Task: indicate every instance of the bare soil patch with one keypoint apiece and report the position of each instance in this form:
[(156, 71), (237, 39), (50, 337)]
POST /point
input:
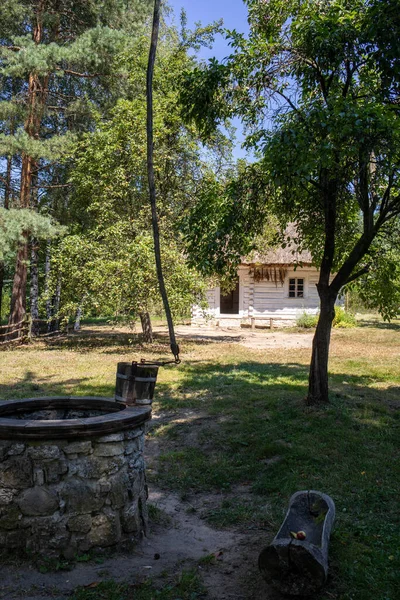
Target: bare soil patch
[(226, 559), (246, 337)]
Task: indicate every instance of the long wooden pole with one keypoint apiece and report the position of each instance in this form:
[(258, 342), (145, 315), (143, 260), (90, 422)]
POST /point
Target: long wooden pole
[(150, 174)]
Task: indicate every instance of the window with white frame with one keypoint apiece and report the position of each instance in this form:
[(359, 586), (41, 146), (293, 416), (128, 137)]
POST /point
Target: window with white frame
[(296, 288)]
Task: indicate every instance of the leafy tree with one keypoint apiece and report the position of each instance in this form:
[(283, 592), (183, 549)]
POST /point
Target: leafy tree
[(317, 84), (107, 263), (55, 67)]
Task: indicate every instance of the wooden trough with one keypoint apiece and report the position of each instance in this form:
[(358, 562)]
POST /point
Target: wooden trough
[(296, 562)]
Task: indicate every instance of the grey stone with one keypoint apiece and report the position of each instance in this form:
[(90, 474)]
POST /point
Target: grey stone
[(38, 501), (137, 482), (59, 540), (119, 489), (130, 519), (6, 496), (10, 517), (105, 486), (16, 472), (38, 476), (137, 463), (14, 539), (132, 446), (93, 467), (109, 449), (111, 437), (78, 448), (45, 452), (80, 523), (16, 449), (81, 496), (133, 433), (84, 544), (54, 469), (4, 447), (106, 529)]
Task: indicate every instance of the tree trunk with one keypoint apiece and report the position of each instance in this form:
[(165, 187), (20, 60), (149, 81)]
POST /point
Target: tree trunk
[(1, 287), (47, 267), (78, 317), (18, 294), (7, 196), (34, 291), (55, 322), (146, 327), (37, 94), (318, 378)]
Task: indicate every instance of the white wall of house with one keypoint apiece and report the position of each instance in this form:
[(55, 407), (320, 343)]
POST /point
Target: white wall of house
[(264, 299)]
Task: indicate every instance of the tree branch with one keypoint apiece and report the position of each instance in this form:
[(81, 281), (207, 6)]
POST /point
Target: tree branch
[(356, 275)]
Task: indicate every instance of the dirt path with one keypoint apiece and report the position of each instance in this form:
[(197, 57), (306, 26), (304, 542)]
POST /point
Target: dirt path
[(183, 541), (246, 337)]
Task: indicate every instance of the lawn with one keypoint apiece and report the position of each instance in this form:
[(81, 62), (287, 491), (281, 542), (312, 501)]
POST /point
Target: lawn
[(234, 418)]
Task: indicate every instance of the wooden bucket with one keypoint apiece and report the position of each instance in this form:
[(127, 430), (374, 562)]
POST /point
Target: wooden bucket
[(135, 383)]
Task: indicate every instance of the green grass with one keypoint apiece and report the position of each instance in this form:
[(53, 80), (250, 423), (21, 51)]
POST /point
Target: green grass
[(185, 587), (237, 420)]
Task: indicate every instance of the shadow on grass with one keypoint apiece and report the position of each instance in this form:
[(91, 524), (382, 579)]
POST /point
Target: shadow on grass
[(108, 341), (378, 324), (247, 425), (35, 385)]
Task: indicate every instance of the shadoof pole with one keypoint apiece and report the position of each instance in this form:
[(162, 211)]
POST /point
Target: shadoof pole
[(150, 174)]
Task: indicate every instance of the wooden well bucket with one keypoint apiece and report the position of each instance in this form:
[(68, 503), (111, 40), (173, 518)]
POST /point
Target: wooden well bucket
[(135, 383)]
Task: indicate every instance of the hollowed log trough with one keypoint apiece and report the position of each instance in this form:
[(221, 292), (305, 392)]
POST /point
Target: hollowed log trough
[(299, 567)]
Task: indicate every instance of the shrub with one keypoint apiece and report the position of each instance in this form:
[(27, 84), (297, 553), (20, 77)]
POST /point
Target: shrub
[(343, 318), (306, 320)]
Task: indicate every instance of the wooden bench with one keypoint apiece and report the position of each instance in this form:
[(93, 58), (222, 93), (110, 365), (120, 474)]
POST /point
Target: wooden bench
[(271, 320)]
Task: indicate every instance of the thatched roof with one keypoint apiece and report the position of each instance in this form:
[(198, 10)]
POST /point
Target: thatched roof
[(283, 257)]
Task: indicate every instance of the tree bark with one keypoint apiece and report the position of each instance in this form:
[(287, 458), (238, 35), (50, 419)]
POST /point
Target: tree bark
[(1, 287), (37, 94), (7, 196), (318, 377), (78, 317), (55, 322), (18, 294), (34, 291), (146, 327), (47, 268)]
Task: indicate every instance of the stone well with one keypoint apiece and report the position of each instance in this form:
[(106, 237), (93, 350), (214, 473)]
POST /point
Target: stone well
[(72, 474)]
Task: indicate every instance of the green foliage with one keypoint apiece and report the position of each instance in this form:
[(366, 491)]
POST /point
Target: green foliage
[(107, 266), (15, 224), (379, 288), (343, 318), (316, 83), (307, 320), (224, 223), (111, 272)]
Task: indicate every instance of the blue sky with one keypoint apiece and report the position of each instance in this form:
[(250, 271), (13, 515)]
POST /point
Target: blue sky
[(234, 15)]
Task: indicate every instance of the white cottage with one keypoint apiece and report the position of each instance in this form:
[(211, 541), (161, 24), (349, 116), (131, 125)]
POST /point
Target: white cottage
[(271, 290)]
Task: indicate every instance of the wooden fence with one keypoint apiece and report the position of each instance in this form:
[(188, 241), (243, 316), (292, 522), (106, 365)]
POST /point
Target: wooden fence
[(27, 329)]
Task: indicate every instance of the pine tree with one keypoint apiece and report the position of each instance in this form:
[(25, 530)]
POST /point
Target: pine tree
[(56, 68)]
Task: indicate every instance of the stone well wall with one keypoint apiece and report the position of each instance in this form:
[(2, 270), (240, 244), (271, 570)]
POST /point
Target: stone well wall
[(66, 496)]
